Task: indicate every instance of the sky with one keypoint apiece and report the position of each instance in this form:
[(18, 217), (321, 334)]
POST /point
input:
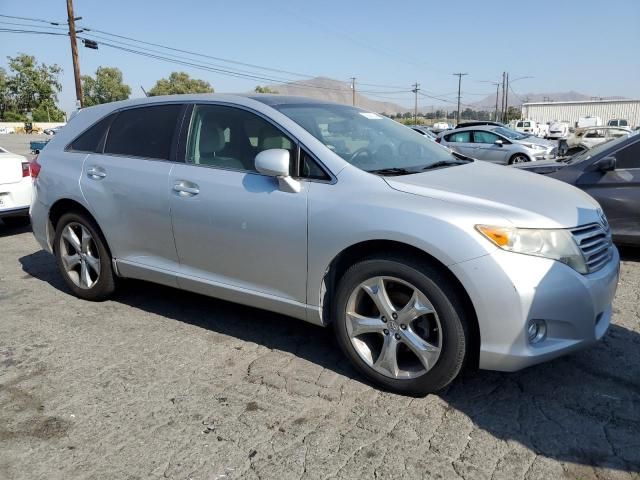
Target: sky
[(580, 45)]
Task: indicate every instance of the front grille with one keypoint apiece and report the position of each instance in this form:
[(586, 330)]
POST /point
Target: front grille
[(595, 243)]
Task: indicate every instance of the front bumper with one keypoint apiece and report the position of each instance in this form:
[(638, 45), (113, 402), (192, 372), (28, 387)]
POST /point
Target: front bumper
[(509, 290)]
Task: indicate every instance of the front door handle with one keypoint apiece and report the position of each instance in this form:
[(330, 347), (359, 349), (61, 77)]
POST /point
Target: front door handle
[(96, 173), (186, 189)]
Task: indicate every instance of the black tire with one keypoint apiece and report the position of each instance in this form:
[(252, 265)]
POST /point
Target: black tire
[(513, 158), (15, 222), (444, 297), (106, 281)]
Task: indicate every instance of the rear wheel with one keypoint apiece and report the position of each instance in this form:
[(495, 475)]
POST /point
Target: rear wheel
[(401, 324), (83, 258)]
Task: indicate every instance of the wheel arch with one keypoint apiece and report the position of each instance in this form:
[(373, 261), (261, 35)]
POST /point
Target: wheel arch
[(359, 251), (67, 205)]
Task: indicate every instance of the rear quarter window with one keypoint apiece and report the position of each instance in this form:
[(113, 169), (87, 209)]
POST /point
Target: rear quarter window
[(145, 132), (91, 140)]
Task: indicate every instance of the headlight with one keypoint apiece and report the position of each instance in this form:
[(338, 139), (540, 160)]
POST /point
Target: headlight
[(535, 146), (556, 244)]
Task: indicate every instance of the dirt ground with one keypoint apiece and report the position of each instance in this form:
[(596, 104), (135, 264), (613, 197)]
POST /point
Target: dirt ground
[(163, 383)]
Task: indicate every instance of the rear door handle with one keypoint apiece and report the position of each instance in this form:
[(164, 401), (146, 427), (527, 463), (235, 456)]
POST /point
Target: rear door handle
[(96, 173), (186, 189)]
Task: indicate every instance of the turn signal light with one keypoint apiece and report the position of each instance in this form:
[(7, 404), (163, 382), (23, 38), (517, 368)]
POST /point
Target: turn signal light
[(498, 235)]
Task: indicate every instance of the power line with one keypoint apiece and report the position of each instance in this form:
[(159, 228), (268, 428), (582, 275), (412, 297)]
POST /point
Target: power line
[(36, 32), (33, 19)]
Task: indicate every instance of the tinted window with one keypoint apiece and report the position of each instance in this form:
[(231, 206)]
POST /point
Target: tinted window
[(480, 136), (91, 139), (143, 132), (459, 137), (311, 169), (629, 157), (231, 138)]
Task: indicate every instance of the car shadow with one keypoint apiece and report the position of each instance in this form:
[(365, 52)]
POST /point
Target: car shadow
[(629, 254), (583, 408), (6, 231)]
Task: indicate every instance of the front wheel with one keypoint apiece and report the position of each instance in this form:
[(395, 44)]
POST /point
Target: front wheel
[(83, 258), (518, 158), (401, 324)]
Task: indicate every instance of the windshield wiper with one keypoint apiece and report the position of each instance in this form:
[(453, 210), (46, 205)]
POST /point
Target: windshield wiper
[(443, 163), (392, 171)]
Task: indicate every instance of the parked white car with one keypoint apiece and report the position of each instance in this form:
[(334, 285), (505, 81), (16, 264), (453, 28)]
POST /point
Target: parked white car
[(592, 136), (15, 188), (6, 130), (558, 130)]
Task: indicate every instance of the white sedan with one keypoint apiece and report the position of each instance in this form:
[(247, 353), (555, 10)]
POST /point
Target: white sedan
[(15, 188), (591, 136)]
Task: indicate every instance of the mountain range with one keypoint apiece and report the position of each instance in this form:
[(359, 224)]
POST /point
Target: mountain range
[(332, 90)]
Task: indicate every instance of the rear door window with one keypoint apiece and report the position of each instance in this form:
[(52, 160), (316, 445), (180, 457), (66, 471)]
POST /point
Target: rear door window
[(145, 132), (459, 137), (480, 136)]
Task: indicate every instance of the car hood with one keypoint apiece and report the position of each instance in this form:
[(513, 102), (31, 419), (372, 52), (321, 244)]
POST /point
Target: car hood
[(541, 166), (536, 141), (525, 199)]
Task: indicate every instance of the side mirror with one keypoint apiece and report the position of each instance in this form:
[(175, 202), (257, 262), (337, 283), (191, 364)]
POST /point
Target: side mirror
[(275, 163), (499, 142), (606, 164)]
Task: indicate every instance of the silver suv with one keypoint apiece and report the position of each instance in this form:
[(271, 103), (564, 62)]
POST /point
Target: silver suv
[(422, 260), (497, 144)]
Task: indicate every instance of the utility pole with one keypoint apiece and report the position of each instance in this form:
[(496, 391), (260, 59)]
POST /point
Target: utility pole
[(504, 75), (459, 75), (495, 115), (353, 91), (74, 52), (506, 99), (416, 89)]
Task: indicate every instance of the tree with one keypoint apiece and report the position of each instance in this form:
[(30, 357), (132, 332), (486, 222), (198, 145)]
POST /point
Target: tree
[(180, 82), (106, 87), (513, 113), (265, 89), (34, 88)]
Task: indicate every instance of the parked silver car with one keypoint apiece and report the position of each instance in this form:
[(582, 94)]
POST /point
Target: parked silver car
[(422, 260), (497, 144)]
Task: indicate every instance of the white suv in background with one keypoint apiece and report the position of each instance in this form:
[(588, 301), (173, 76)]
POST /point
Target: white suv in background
[(15, 188)]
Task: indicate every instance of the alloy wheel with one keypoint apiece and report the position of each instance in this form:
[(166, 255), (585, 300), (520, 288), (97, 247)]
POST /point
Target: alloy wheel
[(79, 255), (393, 327)]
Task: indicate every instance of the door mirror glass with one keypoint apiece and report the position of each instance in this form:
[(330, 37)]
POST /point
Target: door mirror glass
[(606, 164), (275, 163)]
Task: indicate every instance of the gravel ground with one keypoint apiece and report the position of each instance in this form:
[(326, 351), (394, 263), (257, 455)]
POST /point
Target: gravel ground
[(163, 383)]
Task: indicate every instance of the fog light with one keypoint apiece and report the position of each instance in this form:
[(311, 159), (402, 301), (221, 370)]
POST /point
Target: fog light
[(536, 331)]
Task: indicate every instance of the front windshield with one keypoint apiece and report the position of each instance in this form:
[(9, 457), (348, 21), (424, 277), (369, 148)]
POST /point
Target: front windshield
[(367, 140), (510, 134)]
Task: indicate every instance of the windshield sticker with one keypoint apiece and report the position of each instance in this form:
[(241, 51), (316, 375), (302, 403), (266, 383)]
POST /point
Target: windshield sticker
[(370, 116)]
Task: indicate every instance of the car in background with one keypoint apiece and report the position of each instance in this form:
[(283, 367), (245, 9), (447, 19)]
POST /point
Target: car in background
[(15, 188), (420, 259), (558, 130), (618, 122), (51, 131), (425, 131), (497, 145), (610, 173), (478, 123), (7, 130), (591, 136), (441, 126)]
